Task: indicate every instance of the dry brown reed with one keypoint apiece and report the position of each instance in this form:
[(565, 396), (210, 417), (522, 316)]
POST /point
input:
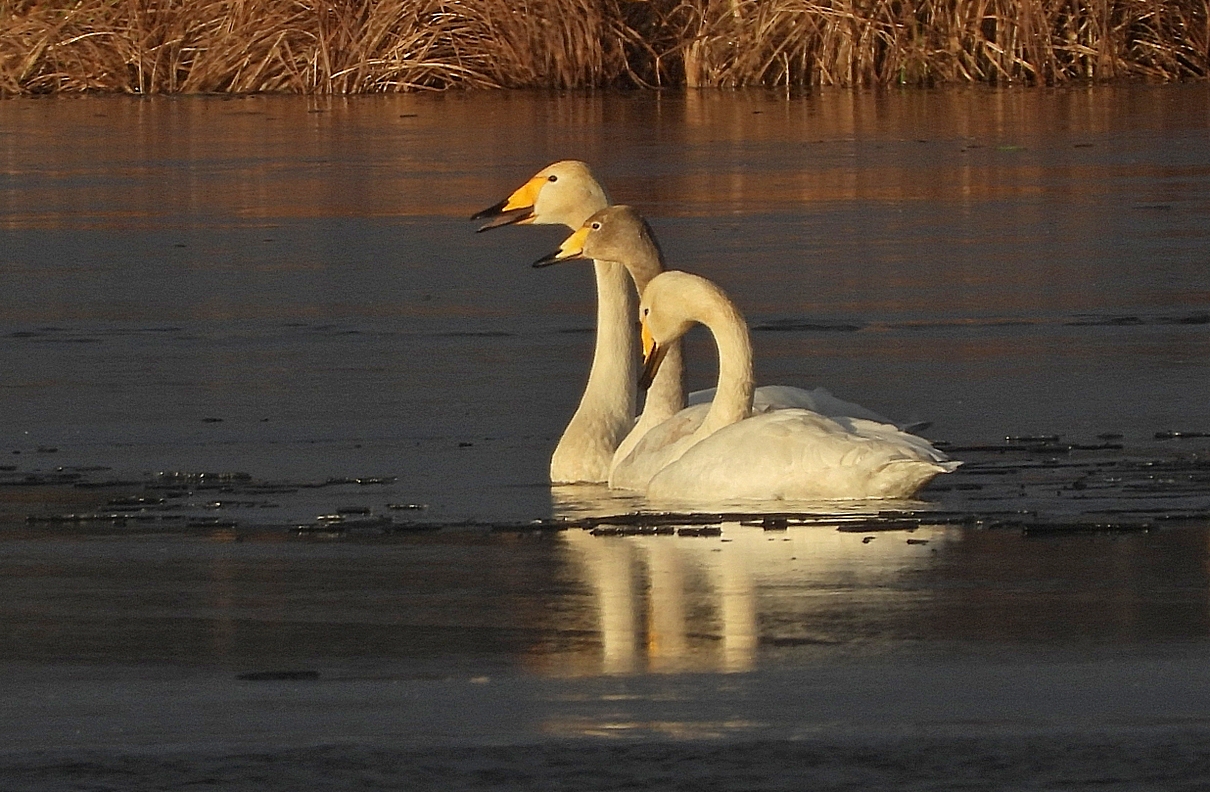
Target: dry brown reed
[(879, 42), (359, 46)]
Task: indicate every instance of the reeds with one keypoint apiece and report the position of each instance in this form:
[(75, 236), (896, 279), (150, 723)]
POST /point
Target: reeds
[(359, 46), (879, 42)]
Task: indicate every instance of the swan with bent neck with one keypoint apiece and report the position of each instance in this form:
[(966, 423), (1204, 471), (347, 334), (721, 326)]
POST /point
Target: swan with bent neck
[(567, 193), (722, 451)]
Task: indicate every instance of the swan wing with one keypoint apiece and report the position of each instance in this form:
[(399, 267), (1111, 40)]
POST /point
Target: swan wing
[(659, 447), (780, 397)]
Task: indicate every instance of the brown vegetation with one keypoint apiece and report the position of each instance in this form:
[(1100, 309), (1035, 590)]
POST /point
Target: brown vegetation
[(357, 46)]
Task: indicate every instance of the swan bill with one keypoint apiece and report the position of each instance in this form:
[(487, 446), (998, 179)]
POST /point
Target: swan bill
[(653, 356), (572, 248), (516, 209), (501, 217)]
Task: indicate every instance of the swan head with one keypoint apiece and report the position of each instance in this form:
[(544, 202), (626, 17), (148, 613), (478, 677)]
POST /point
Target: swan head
[(671, 304), (618, 234), (564, 193)]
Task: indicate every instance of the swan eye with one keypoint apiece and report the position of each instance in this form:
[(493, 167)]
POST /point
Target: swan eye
[(646, 311), (596, 226), (552, 178)]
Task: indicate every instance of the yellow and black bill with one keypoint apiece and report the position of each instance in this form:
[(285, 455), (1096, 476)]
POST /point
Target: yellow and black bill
[(517, 208), (653, 356), (572, 248)]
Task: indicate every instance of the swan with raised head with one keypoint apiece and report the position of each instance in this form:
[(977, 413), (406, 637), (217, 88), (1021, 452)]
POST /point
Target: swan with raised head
[(620, 235), (567, 193), (722, 451)]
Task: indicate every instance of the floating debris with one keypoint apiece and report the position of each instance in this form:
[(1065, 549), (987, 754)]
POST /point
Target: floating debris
[(705, 530), (1040, 528), (211, 523), (633, 530), (272, 489), (324, 529), (878, 524), (102, 517), (408, 506), (180, 477), (1172, 435), (136, 502), (1033, 445)]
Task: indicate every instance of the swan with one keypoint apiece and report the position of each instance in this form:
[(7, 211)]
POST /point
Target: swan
[(722, 451), (567, 193), (620, 235)]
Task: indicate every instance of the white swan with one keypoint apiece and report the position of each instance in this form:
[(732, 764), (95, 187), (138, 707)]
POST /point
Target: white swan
[(721, 451), (619, 234), (567, 193)]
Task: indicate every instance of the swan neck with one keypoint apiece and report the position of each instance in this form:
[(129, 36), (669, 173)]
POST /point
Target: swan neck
[(643, 262), (733, 398), (612, 379), (606, 410)]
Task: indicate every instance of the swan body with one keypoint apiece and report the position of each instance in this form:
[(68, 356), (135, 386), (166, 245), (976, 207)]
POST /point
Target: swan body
[(723, 451), (796, 454), (567, 193)]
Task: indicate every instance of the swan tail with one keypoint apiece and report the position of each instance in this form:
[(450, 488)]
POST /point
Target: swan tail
[(904, 478)]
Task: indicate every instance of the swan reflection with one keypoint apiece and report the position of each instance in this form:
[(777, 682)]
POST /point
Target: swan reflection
[(676, 603)]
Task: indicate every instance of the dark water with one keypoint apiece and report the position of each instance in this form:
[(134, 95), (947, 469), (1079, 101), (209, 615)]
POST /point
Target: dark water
[(225, 318)]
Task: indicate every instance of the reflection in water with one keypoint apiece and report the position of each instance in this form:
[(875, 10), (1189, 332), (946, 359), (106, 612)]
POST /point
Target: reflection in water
[(608, 569), (668, 603)]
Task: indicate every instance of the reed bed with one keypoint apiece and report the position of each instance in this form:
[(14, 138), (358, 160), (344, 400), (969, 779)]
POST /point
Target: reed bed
[(362, 46)]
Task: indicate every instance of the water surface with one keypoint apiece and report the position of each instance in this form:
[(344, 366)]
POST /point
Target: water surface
[(268, 405), (996, 262)]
